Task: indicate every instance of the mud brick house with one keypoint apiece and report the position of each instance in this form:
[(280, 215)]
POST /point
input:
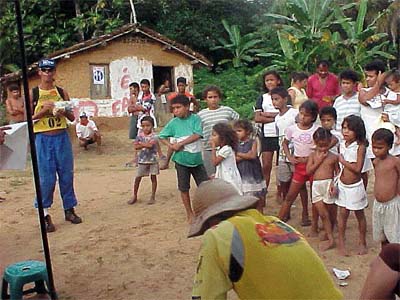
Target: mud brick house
[(97, 72)]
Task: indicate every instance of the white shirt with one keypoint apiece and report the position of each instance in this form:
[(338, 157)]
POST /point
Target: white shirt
[(227, 169), (264, 104), (282, 122), (372, 116), (85, 131)]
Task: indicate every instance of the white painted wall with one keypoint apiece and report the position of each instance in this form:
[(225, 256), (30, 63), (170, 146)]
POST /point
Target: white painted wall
[(122, 73), (126, 70)]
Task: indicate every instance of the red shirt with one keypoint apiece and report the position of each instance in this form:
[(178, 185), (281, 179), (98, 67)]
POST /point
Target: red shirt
[(316, 90), (174, 94)]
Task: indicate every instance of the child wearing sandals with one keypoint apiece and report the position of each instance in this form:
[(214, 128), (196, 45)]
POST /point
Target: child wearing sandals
[(323, 165), (300, 135), (352, 195), (386, 209), (248, 163)]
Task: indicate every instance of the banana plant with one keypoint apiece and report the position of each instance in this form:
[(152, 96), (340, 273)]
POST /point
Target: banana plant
[(239, 47), (304, 34), (359, 42)]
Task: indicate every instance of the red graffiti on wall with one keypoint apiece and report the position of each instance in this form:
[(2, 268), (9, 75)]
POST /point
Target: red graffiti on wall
[(88, 106), (109, 107), (119, 106), (125, 79)]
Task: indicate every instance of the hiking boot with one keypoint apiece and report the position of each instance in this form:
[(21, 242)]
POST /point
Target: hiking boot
[(71, 216), (49, 224)]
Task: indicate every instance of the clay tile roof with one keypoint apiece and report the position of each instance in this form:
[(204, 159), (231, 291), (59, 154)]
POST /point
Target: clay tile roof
[(97, 41)]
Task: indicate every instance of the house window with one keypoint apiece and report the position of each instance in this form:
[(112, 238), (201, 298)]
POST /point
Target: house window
[(100, 81)]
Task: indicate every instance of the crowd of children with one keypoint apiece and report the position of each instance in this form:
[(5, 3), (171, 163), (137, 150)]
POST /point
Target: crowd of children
[(331, 148)]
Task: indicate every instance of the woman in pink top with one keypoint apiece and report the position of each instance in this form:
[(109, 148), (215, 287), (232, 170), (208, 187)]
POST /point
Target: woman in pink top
[(323, 86)]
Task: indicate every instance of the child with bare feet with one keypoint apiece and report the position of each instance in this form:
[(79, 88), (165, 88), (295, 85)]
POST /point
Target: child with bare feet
[(286, 117), (301, 135), (186, 131), (146, 142), (322, 164), (386, 209), (352, 195)]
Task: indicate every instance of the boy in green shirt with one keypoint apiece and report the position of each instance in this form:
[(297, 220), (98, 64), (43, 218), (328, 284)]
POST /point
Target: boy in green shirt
[(184, 133)]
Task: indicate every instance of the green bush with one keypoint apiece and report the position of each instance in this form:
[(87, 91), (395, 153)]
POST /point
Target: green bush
[(240, 87)]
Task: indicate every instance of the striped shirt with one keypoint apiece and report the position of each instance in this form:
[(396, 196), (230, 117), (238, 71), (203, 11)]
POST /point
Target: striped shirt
[(209, 118), (346, 107)]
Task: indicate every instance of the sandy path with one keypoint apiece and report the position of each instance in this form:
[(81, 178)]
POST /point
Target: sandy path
[(127, 252)]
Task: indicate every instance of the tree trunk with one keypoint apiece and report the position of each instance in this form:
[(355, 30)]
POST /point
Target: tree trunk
[(78, 13)]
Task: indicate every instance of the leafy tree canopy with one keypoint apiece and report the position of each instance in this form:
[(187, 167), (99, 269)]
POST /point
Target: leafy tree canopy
[(51, 25)]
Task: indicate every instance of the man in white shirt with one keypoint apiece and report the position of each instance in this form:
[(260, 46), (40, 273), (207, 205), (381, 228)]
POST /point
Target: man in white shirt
[(87, 132)]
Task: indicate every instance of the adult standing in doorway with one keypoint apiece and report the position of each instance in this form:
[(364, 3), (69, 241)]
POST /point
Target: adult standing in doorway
[(133, 109), (181, 85), (265, 113), (323, 86), (53, 146)]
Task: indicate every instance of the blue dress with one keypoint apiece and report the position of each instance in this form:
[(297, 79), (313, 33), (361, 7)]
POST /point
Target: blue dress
[(253, 182)]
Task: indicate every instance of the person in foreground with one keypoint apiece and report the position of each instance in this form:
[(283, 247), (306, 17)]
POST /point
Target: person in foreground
[(182, 135), (260, 257), (383, 279), (53, 146)]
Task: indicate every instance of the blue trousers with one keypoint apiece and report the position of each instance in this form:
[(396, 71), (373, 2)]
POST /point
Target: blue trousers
[(54, 153)]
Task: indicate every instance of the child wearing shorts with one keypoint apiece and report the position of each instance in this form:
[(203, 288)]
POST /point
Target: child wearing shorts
[(301, 135), (147, 143), (323, 165), (186, 133), (386, 209), (286, 118)]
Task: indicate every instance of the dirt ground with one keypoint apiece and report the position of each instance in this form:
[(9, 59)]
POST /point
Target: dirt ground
[(129, 252)]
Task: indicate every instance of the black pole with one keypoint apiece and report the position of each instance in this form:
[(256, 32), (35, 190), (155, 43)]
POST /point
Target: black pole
[(35, 168)]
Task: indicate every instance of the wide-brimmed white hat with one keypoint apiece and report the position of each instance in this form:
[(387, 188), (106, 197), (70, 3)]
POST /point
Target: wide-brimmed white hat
[(213, 197)]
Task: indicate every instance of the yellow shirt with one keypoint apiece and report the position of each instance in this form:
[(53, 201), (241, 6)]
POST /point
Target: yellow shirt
[(49, 122), (271, 261)]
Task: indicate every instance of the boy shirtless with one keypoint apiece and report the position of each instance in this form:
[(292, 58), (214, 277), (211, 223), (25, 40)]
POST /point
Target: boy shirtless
[(15, 105), (323, 165), (386, 210)]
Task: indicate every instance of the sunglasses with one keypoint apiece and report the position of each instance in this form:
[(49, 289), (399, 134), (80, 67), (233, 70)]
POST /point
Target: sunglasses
[(47, 70)]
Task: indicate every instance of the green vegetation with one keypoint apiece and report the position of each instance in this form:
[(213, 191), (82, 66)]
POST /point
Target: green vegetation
[(287, 35), (240, 87)]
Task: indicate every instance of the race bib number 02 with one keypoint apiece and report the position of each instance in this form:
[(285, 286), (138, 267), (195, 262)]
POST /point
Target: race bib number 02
[(54, 122)]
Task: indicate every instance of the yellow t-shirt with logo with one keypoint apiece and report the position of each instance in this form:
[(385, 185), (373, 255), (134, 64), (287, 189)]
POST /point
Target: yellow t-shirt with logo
[(49, 122), (275, 262)]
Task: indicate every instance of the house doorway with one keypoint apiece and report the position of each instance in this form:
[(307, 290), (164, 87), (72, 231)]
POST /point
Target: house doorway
[(160, 74)]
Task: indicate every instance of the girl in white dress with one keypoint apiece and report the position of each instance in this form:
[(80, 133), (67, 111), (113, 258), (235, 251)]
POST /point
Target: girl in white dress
[(224, 142)]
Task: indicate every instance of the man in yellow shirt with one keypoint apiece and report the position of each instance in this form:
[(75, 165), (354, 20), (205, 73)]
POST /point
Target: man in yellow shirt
[(260, 257), (53, 146)]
